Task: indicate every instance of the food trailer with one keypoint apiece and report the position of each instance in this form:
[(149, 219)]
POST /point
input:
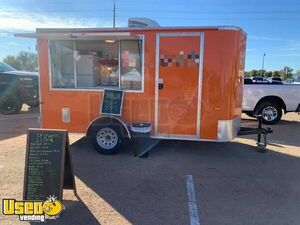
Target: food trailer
[(184, 83)]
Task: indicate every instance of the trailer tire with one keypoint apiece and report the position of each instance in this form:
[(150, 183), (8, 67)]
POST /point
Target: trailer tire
[(270, 111), (10, 105), (107, 139)]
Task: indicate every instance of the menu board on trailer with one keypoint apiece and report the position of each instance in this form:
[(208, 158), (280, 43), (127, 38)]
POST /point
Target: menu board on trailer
[(112, 102)]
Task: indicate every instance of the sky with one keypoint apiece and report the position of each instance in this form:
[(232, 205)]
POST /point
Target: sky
[(272, 26)]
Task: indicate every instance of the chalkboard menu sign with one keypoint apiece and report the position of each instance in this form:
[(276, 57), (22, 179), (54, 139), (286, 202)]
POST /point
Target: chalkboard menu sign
[(112, 102), (48, 167)]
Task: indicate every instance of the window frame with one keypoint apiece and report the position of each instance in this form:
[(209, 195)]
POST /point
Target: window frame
[(140, 37)]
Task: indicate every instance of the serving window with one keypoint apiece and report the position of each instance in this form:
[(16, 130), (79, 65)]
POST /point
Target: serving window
[(96, 64)]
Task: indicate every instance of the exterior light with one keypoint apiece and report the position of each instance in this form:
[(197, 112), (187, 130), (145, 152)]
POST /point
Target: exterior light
[(110, 41)]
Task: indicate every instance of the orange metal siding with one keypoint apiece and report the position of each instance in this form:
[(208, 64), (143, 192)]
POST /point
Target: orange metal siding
[(221, 88)]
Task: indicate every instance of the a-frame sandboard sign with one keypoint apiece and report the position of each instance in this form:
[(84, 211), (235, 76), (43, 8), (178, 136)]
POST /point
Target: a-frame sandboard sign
[(48, 165)]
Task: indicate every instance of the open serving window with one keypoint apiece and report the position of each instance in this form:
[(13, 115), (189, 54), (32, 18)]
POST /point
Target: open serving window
[(97, 63)]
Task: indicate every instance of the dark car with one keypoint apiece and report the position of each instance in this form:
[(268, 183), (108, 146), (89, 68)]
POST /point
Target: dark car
[(17, 88), (248, 81)]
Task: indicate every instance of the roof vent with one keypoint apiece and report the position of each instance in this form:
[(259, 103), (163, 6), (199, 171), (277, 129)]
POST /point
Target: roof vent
[(142, 22)]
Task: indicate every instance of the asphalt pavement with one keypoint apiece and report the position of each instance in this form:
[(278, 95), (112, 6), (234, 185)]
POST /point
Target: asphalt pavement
[(181, 181)]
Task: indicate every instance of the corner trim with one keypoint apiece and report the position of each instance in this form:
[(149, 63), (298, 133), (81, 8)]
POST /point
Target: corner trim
[(228, 129)]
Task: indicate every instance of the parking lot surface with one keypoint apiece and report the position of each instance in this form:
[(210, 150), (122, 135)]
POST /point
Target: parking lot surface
[(232, 182)]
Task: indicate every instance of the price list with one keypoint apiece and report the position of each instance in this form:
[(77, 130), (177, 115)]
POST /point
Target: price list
[(112, 102), (44, 165)]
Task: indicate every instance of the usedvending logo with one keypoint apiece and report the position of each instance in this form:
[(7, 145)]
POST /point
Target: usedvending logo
[(37, 211)]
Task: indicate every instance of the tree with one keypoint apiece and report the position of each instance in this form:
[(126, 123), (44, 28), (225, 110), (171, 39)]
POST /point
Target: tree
[(253, 73), (247, 74), (261, 73), (268, 74), (286, 73), (12, 61), (298, 73), (275, 73), (25, 60)]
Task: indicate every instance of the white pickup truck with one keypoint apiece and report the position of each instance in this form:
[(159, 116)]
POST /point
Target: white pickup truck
[(270, 100)]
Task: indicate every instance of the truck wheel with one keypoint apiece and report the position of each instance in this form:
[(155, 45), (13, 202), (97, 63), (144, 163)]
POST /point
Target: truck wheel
[(107, 139), (270, 111), (10, 105)]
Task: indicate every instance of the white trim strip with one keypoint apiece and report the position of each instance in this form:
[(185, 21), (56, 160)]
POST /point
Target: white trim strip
[(94, 89), (200, 78), (192, 204), (119, 63), (156, 85), (142, 36), (178, 136), (75, 75), (182, 137)]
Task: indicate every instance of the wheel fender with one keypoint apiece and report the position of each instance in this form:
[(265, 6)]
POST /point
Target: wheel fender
[(108, 120)]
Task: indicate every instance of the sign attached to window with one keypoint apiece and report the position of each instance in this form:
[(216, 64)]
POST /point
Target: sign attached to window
[(112, 102)]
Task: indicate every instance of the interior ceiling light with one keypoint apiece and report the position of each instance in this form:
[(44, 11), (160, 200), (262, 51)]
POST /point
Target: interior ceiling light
[(110, 41)]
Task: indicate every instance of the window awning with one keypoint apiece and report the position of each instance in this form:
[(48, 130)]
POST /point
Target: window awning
[(80, 35)]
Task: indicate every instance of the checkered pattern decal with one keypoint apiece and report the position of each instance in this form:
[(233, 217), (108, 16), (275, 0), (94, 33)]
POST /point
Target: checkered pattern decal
[(181, 60)]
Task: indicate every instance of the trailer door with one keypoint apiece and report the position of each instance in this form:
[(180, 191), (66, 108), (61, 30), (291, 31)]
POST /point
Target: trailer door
[(178, 85)]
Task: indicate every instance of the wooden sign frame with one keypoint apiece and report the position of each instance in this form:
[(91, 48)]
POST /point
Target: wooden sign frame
[(65, 155)]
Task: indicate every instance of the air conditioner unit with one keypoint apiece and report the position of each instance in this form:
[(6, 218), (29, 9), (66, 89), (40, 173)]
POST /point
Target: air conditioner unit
[(142, 22)]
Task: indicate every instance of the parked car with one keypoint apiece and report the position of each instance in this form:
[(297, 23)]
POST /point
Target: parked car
[(270, 100), (17, 88), (257, 79), (248, 81), (297, 80), (274, 80)]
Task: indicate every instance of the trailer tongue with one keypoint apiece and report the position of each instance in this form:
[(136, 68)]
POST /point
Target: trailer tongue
[(261, 134)]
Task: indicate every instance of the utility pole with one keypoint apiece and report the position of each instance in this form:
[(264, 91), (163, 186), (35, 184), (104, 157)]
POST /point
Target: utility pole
[(263, 63), (114, 14)]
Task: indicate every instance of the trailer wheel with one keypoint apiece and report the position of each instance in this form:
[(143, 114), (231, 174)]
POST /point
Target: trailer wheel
[(107, 139), (271, 112)]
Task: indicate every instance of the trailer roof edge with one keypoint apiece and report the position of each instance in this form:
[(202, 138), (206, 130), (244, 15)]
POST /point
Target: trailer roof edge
[(44, 31), (26, 35)]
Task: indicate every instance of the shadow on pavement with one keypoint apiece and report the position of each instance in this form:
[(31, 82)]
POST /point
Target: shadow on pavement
[(75, 213), (234, 183), (278, 137)]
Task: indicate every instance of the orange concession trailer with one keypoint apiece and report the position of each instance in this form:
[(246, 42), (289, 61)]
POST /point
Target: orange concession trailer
[(186, 82)]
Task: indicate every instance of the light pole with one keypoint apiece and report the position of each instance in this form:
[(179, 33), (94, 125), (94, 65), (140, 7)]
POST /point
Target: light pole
[(114, 14), (263, 63)]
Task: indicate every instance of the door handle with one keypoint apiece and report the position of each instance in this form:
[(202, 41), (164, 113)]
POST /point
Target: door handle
[(160, 84)]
